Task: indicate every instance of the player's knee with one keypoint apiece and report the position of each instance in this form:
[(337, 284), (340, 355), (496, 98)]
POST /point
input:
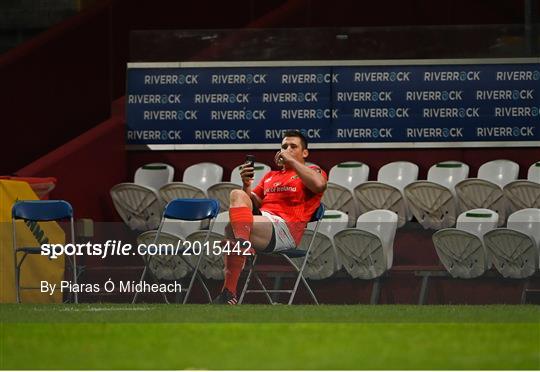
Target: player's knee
[(239, 197)]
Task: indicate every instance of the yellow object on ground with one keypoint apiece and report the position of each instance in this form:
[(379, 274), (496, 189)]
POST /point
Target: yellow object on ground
[(36, 268)]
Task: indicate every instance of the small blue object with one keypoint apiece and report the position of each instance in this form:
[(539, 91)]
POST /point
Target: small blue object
[(41, 210), (318, 214), (191, 209)]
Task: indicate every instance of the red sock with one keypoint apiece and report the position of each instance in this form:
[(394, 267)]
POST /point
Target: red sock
[(233, 267), (241, 222)]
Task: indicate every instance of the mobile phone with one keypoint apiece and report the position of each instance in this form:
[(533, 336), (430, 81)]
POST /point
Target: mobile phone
[(251, 160)]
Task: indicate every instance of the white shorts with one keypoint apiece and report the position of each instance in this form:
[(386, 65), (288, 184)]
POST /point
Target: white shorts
[(284, 240)]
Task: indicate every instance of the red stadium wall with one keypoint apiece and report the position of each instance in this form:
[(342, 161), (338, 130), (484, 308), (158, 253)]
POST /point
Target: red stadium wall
[(86, 168)]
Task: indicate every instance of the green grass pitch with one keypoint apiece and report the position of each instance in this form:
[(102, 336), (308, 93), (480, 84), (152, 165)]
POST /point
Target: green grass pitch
[(105, 336)]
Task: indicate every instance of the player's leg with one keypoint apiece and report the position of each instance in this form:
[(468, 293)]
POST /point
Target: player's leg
[(244, 227)]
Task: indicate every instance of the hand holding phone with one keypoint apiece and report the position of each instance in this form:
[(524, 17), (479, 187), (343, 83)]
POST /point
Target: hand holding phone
[(248, 170)]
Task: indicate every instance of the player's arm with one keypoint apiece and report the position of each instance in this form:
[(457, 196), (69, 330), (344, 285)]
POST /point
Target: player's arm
[(246, 172), (312, 179)]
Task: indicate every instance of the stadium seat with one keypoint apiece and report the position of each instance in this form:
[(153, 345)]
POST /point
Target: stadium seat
[(221, 222), (221, 191), (166, 266), (332, 222), (340, 198), (342, 180), (349, 174), (140, 207), (366, 251), (203, 175), (387, 192), (40, 211), (461, 249), (322, 261), (486, 190), (288, 255), (139, 203), (533, 173), (515, 249), (433, 202), (180, 190), (212, 265), (185, 210), (154, 175), (522, 194)]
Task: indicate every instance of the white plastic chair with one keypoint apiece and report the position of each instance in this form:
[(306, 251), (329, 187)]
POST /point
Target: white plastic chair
[(182, 190), (349, 174), (515, 249), (460, 249), (203, 175), (522, 194), (181, 210), (387, 192), (338, 197), (533, 174), (140, 207), (332, 222), (166, 267), (221, 222), (154, 175), (486, 190), (366, 252), (448, 174), (138, 203), (500, 172), (322, 261), (212, 265), (433, 202)]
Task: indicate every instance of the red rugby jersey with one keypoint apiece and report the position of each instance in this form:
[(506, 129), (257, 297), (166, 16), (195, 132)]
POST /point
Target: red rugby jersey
[(284, 194)]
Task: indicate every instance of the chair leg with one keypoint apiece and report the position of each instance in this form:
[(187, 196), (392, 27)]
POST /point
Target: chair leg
[(257, 277), (277, 286), (192, 280), (74, 268), (140, 280), (205, 288), (424, 290), (16, 272), (250, 273), (298, 278), (375, 291)]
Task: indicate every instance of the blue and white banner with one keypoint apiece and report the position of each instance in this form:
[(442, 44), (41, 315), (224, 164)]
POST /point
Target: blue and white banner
[(337, 104)]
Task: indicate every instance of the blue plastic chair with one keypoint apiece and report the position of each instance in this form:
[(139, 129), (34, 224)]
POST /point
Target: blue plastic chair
[(37, 211), (187, 210), (287, 255)]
